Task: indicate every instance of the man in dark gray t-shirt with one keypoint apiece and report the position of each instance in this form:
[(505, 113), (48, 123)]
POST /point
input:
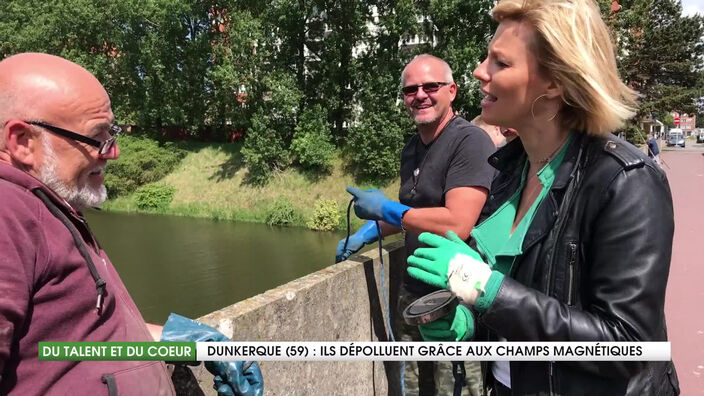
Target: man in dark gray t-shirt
[(455, 159), (445, 180)]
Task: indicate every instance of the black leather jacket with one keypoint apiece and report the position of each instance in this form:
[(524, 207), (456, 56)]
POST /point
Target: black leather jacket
[(594, 268)]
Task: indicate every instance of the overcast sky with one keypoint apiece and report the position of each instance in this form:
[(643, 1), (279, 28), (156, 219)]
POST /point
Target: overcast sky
[(690, 7)]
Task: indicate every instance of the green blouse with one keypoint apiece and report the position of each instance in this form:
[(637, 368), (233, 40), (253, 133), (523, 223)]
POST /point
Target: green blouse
[(494, 238)]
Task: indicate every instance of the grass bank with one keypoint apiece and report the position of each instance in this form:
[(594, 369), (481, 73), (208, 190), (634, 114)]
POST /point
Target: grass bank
[(210, 182)]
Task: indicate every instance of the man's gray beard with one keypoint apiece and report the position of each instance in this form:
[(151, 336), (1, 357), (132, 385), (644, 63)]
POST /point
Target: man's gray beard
[(426, 122), (78, 198)]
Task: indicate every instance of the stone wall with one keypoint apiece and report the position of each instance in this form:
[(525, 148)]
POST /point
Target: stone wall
[(340, 303)]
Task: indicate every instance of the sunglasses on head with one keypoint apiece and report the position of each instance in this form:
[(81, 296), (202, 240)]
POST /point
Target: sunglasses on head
[(428, 87)]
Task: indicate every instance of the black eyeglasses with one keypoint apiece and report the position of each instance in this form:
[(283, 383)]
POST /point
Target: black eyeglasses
[(428, 87), (103, 147)]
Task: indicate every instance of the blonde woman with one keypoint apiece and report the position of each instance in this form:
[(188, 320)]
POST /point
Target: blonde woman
[(574, 242)]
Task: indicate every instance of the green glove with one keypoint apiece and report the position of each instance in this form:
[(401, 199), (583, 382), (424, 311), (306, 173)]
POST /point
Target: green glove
[(430, 264), (448, 263), (458, 325)]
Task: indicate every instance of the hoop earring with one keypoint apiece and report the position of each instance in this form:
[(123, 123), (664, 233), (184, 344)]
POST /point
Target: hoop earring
[(533, 105)]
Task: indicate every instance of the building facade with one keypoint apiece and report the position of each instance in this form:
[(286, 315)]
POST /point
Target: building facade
[(687, 122)]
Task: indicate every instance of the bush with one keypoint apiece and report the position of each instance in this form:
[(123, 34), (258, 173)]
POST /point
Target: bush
[(142, 161), (282, 213), (374, 146), (326, 216), (311, 143), (267, 141), (633, 134), (263, 150), (154, 196)]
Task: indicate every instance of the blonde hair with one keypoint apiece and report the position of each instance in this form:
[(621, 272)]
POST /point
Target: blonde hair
[(574, 47)]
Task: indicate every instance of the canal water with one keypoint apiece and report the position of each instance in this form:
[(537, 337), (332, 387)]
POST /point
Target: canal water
[(195, 266)]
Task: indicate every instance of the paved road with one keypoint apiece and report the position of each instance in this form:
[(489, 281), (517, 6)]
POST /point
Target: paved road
[(685, 294), (690, 147)]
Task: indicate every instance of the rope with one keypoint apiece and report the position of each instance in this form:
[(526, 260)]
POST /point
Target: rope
[(383, 289), (386, 303)]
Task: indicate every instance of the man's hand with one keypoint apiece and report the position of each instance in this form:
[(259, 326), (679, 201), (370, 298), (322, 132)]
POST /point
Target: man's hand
[(155, 331), (457, 325), (368, 233), (448, 263), (373, 205), (245, 375), (231, 378)]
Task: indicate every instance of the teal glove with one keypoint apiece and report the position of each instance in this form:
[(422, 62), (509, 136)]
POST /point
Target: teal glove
[(368, 233), (458, 325), (373, 205), (231, 378), (448, 263)]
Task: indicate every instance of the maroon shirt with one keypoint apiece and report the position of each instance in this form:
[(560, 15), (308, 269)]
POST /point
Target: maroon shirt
[(48, 294)]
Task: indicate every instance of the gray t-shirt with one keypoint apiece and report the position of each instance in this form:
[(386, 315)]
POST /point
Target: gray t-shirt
[(456, 158)]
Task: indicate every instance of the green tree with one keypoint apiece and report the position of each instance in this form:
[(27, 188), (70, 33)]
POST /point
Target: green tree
[(374, 144), (700, 120), (379, 125), (333, 71), (234, 69), (164, 62), (660, 54), (266, 148), (289, 22), (461, 31), (264, 151), (311, 145), (92, 33)]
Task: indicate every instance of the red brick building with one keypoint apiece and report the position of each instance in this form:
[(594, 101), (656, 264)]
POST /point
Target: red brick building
[(688, 122)]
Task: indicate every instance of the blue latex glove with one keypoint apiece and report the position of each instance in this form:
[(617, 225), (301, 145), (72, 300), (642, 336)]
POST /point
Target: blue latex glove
[(231, 378), (373, 205), (458, 325), (368, 233)]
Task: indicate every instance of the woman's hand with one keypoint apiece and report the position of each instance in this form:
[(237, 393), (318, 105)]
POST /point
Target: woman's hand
[(449, 263), (457, 325)]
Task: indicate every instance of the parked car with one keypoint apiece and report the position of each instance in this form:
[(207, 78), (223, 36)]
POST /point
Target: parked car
[(675, 138), (700, 136)]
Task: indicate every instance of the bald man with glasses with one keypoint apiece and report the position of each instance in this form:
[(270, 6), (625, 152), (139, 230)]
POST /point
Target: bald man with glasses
[(445, 180), (57, 134), (56, 282)]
